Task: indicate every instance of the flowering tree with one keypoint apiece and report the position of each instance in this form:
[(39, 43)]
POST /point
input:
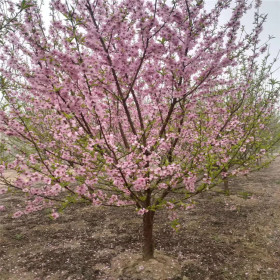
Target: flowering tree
[(9, 14), (127, 102), (256, 130)]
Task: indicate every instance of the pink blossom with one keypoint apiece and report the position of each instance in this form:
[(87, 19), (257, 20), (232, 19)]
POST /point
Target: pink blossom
[(81, 190), (162, 186), (3, 190), (2, 168), (173, 216), (56, 189), (18, 214), (170, 205), (96, 202), (54, 215), (190, 206), (140, 184), (142, 211)]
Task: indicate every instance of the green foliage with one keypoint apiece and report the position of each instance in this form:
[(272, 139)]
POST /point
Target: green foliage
[(19, 236), (245, 195), (175, 225), (25, 4), (70, 199)]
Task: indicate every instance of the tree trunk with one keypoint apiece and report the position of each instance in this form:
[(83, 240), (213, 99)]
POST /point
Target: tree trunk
[(226, 187), (148, 242)]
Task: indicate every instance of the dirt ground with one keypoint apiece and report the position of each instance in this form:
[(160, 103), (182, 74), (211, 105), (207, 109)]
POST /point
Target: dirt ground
[(223, 237)]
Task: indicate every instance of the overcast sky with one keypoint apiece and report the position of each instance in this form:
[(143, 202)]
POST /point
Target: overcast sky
[(271, 27)]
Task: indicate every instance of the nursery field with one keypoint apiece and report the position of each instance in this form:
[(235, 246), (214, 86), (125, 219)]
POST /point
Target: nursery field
[(223, 237)]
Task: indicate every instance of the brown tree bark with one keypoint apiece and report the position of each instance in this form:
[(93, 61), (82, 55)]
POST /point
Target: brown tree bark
[(148, 241), (226, 186)]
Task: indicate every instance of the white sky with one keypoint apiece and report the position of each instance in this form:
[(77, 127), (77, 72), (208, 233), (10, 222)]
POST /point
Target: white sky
[(271, 26)]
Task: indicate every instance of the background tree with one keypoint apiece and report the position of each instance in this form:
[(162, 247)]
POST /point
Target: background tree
[(129, 103), (257, 140), (10, 14)]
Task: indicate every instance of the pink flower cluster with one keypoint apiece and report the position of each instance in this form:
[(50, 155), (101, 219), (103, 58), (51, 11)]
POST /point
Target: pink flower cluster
[(142, 211)]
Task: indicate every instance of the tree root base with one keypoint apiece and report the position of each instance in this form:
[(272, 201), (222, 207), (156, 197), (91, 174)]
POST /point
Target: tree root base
[(131, 266)]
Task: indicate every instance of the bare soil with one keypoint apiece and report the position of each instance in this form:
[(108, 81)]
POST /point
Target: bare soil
[(223, 237)]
